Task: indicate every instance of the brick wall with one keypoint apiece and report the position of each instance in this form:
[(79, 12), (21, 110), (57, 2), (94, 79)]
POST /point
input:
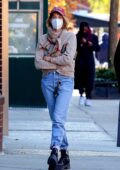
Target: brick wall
[(1, 121), (0, 46), (1, 98)]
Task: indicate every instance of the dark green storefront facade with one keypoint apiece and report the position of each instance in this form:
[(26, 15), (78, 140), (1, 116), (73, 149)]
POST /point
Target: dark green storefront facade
[(26, 23)]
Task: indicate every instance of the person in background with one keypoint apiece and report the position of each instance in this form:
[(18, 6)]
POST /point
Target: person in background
[(117, 63), (85, 65), (55, 56), (102, 55)]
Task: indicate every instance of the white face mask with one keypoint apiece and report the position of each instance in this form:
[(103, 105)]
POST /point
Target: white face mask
[(57, 23)]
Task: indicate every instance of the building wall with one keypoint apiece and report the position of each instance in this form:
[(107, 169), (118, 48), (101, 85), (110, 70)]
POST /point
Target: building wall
[(0, 47), (4, 66), (4, 63)]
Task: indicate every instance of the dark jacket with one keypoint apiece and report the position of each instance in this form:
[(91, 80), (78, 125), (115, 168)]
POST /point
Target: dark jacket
[(102, 55), (84, 64), (117, 63)]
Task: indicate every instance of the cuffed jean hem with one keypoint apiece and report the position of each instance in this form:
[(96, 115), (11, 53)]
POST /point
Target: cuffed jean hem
[(55, 146), (58, 147)]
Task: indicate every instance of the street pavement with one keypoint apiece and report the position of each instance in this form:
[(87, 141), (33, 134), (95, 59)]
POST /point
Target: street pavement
[(91, 131)]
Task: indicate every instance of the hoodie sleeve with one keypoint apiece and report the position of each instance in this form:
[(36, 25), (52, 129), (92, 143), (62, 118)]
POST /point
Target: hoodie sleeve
[(39, 61), (68, 56)]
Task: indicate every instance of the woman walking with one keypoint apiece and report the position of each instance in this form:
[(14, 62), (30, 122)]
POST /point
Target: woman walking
[(85, 65), (55, 56)]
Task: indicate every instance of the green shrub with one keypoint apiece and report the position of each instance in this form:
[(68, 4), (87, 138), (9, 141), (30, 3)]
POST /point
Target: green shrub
[(105, 74)]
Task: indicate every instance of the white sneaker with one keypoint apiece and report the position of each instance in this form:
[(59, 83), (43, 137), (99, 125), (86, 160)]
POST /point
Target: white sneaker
[(88, 102), (82, 101)]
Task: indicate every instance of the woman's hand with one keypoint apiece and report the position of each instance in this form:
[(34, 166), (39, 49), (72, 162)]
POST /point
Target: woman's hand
[(47, 58), (84, 40), (90, 43)]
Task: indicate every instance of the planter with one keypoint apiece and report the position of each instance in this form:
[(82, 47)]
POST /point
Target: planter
[(106, 90)]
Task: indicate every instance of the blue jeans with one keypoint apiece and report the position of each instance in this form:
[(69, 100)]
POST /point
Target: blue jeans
[(58, 105)]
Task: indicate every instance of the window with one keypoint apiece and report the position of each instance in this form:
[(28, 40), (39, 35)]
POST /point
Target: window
[(22, 32)]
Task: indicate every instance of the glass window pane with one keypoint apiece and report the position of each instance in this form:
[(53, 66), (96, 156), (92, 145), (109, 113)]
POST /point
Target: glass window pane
[(12, 5), (22, 32), (29, 5)]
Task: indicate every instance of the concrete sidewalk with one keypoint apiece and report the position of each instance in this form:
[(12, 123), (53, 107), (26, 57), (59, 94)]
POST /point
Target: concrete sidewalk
[(92, 134)]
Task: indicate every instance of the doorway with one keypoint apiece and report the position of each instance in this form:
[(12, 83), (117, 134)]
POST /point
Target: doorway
[(24, 79)]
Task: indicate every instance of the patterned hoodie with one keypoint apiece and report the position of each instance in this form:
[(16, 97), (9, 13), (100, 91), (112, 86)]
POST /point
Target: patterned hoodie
[(64, 61)]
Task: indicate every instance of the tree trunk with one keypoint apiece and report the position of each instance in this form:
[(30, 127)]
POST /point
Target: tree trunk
[(113, 30)]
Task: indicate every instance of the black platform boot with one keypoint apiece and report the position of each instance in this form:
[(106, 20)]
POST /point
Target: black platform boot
[(53, 159), (64, 159)]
